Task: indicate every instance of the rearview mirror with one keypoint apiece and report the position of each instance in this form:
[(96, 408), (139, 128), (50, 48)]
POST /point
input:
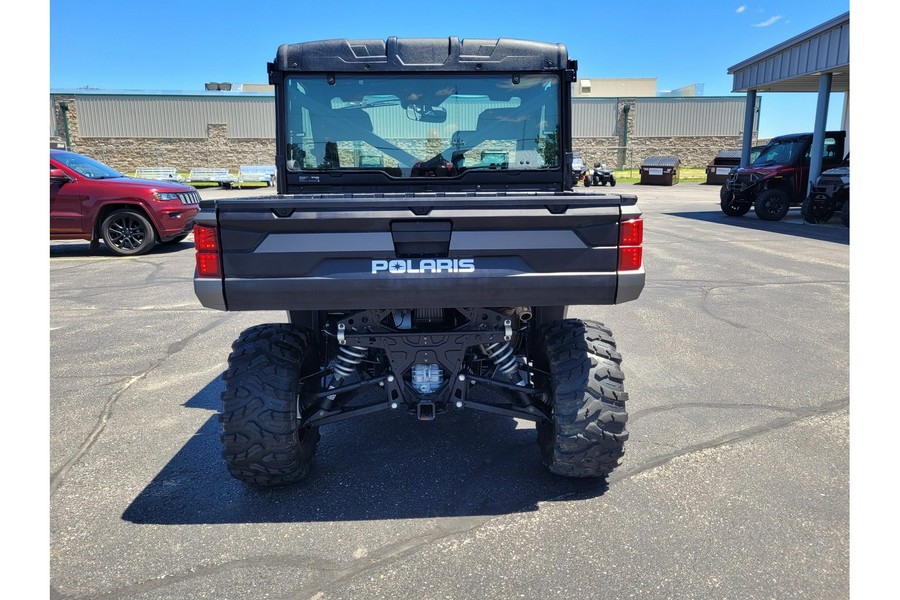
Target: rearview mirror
[(59, 176), (427, 114)]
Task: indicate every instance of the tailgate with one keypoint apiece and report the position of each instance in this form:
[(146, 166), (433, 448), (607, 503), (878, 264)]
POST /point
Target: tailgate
[(418, 251)]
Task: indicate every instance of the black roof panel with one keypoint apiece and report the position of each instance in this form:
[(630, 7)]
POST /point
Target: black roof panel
[(417, 54)]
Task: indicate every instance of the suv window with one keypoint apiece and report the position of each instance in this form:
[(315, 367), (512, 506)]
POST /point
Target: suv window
[(422, 124)]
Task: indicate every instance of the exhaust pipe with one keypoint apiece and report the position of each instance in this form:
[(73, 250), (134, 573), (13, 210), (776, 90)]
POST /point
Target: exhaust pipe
[(524, 313)]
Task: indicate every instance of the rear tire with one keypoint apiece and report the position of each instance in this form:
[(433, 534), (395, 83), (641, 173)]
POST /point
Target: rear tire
[(587, 433), (587, 180), (612, 181), (262, 441), (772, 205)]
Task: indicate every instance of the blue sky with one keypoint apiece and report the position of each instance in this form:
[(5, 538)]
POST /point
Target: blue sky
[(180, 45)]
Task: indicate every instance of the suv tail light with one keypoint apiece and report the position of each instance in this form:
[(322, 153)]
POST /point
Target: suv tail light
[(206, 243), (631, 239)]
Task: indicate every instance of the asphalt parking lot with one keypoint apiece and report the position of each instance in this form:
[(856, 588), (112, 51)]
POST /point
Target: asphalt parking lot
[(734, 483)]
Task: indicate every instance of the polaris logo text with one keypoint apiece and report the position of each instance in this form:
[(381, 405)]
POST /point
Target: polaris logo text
[(426, 265)]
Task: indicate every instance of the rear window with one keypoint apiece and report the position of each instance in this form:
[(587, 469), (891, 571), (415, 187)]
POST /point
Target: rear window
[(440, 125)]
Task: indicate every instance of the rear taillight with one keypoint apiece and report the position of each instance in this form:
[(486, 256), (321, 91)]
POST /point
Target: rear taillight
[(206, 243), (631, 238)]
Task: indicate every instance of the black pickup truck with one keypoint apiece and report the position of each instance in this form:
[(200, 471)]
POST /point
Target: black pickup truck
[(425, 242)]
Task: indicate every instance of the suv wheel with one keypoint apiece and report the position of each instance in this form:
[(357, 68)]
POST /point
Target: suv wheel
[(128, 233), (772, 205), (586, 435)]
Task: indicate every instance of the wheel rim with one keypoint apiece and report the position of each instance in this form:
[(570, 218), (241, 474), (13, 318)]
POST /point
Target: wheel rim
[(126, 233), (772, 206)]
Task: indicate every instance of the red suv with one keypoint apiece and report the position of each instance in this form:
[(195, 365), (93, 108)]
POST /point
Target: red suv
[(91, 201)]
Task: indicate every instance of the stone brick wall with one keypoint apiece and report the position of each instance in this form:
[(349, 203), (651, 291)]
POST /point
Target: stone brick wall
[(628, 152), (692, 151)]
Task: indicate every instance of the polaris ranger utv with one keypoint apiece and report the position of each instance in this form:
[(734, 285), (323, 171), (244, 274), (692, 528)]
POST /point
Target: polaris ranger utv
[(419, 276), (830, 194)]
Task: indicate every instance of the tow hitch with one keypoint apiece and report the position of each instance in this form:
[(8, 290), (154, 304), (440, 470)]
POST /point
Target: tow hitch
[(425, 410)]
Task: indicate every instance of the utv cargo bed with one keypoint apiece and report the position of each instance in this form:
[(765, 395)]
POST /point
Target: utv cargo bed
[(323, 252)]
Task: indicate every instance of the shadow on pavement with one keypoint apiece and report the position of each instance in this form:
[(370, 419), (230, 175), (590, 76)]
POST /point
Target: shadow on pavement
[(80, 249), (383, 466), (793, 224)]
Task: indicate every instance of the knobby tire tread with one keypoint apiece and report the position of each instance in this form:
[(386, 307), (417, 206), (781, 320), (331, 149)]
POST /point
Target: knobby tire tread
[(587, 434), (262, 442)]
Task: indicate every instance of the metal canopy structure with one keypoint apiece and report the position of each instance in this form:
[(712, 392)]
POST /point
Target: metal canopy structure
[(815, 61), (797, 64)]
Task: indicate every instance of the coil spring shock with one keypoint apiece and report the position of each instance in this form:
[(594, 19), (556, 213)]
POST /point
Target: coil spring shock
[(503, 356), (347, 359)]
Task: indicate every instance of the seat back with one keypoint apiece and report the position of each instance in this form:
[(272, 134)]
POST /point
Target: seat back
[(502, 124)]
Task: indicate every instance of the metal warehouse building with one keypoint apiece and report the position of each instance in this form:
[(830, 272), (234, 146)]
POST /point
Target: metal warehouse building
[(211, 128), (624, 131), (132, 129)]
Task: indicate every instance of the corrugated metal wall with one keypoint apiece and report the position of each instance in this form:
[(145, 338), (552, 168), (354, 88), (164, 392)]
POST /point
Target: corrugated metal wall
[(174, 116), (137, 116), (661, 117), (593, 117)]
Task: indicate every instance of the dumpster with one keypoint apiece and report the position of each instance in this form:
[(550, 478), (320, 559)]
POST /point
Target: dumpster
[(660, 170), (725, 161), (717, 171)]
